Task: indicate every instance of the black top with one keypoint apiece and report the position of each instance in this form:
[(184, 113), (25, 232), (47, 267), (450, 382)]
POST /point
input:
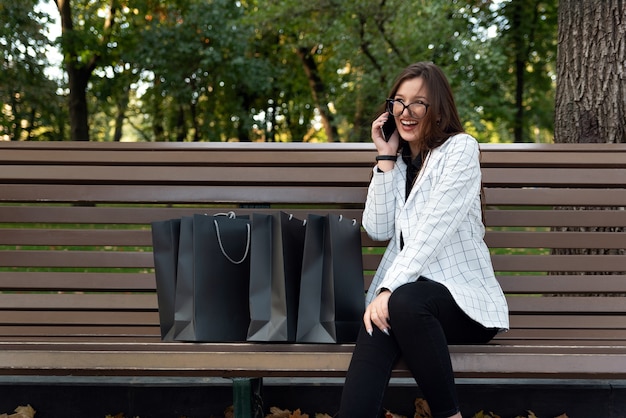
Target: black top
[(412, 170)]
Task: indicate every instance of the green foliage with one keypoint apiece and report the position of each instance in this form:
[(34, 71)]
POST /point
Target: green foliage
[(282, 70), (30, 105)]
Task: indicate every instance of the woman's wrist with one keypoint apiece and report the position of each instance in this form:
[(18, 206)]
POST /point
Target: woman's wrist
[(384, 157), (385, 165), (382, 290)]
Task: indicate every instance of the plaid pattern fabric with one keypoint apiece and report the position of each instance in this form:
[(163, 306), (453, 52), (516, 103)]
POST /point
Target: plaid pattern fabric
[(442, 228)]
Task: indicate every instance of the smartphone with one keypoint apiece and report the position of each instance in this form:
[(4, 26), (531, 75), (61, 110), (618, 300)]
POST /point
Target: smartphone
[(389, 127)]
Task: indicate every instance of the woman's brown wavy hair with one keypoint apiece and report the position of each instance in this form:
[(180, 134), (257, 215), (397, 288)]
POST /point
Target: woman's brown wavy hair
[(442, 119)]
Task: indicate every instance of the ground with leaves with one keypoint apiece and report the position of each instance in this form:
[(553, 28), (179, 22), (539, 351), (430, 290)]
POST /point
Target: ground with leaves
[(21, 412), (421, 411)]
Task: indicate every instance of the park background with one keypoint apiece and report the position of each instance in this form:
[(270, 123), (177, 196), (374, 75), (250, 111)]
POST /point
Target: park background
[(315, 71)]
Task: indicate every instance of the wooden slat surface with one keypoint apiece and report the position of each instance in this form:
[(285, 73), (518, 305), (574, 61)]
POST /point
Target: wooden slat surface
[(143, 237), (271, 360), (76, 265)]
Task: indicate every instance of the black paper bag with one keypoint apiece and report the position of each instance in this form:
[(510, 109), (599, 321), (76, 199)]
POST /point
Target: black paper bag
[(275, 267), (165, 235), (212, 279), (332, 294)]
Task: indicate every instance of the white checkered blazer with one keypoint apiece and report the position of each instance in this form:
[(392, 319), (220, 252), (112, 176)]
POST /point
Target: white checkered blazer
[(442, 228)]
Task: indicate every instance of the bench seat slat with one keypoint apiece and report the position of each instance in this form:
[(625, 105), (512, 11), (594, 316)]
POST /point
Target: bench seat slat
[(290, 363)]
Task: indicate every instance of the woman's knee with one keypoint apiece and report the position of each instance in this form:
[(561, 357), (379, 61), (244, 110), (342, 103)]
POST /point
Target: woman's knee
[(407, 300), (422, 297)]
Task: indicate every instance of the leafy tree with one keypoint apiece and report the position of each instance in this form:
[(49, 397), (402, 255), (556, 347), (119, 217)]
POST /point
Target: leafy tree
[(205, 79), (30, 102), (88, 37), (359, 46), (529, 43), (287, 70)]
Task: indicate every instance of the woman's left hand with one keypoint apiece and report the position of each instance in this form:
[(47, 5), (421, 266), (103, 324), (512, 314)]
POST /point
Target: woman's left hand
[(377, 313)]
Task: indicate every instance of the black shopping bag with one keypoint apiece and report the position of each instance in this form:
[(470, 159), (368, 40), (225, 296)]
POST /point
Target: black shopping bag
[(212, 279), (275, 267), (165, 235), (332, 294)]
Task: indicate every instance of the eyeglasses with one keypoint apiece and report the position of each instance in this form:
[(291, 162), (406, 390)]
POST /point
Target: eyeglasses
[(417, 109)]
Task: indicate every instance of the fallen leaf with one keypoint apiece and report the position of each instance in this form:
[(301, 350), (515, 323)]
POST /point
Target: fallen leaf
[(392, 415), (21, 412), (278, 413), (422, 410), (229, 412), (482, 414)]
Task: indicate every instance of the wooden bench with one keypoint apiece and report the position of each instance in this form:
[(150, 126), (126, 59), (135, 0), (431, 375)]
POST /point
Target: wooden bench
[(77, 288)]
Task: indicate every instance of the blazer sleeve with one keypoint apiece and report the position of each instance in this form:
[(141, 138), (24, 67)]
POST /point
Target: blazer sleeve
[(379, 211)]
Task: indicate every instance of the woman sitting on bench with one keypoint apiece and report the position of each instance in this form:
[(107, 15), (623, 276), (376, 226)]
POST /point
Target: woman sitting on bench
[(435, 285)]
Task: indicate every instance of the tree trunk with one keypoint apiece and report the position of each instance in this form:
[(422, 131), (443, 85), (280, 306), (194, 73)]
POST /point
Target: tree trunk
[(590, 89), (318, 91), (590, 92), (78, 112), (120, 114), (78, 73)]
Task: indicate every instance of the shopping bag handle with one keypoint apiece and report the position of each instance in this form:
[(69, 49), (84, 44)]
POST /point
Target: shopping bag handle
[(219, 240)]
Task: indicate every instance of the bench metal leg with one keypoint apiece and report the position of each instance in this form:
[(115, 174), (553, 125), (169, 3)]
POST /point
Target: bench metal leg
[(247, 399)]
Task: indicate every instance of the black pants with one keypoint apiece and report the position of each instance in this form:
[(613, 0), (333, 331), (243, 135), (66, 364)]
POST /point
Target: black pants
[(424, 319)]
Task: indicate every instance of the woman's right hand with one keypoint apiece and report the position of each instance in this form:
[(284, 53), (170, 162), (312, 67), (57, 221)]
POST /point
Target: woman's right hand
[(389, 147)]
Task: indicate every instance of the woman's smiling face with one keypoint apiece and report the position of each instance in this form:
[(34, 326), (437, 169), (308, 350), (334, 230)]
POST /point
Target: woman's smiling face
[(410, 91)]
